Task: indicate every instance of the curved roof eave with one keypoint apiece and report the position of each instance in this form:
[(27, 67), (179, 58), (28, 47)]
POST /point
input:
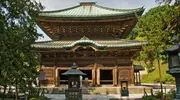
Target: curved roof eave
[(130, 14), (88, 10)]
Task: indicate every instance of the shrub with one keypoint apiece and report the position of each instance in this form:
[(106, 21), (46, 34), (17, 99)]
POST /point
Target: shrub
[(39, 98), (149, 98), (167, 78), (171, 95), (153, 77), (6, 95)]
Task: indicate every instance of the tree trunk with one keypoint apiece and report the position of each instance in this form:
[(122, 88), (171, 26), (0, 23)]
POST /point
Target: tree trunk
[(16, 94), (159, 67), (4, 91)]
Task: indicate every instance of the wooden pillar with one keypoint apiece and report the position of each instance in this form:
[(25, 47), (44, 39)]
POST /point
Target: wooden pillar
[(57, 77), (55, 72), (136, 79), (115, 76), (132, 75), (98, 76), (94, 75), (118, 73), (139, 79), (54, 76)]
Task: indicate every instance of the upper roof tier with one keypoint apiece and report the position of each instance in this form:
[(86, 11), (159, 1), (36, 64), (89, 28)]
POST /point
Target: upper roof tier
[(89, 10), (90, 20)]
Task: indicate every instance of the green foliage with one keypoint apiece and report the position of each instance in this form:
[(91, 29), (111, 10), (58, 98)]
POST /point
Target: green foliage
[(164, 1), (153, 77), (167, 78), (6, 96), (39, 98), (133, 34), (149, 98), (168, 2), (156, 27), (171, 95), (158, 94), (18, 63)]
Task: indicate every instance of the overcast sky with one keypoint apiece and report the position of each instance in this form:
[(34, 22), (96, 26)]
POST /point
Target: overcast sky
[(121, 4)]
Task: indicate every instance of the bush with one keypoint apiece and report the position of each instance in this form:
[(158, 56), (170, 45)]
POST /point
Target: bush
[(171, 95), (39, 98), (149, 98), (167, 78), (7, 95), (153, 77)]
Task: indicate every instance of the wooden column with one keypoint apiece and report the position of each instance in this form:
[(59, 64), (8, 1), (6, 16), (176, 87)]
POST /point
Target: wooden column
[(57, 77), (115, 76), (139, 79), (118, 73), (54, 76), (55, 71), (136, 78), (98, 76), (132, 75), (94, 75)]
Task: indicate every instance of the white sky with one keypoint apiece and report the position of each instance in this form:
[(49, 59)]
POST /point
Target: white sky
[(120, 4)]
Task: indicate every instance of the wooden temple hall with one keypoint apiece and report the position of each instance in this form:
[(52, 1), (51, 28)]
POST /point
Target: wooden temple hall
[(92, 36)]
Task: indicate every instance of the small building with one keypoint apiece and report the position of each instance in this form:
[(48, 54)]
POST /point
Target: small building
[(92, 36)]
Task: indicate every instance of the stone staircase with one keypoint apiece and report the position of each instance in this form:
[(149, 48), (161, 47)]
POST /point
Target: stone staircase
[(101, 90), (116, 90)]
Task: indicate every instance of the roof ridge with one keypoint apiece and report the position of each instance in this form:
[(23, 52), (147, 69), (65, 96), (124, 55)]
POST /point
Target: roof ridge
[(115, 9), (54, 11), (87, 3), (94, 4)]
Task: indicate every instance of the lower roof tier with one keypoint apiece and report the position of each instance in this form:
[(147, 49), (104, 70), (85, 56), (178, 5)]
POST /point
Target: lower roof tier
[(97, 44)]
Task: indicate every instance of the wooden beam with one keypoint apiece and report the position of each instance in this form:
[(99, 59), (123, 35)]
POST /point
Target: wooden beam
[(63, 68), (78, 21), (85, 68), (106, 68)]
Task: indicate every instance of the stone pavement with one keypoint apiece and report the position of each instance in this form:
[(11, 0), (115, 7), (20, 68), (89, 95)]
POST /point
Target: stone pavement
[(98, 97)]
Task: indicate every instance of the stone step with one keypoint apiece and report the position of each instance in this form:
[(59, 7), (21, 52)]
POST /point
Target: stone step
[(116, 90), (102, 90)]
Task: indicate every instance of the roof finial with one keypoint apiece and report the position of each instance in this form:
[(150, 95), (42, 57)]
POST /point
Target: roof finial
[(74, 66), (84, 38), (87, 3)]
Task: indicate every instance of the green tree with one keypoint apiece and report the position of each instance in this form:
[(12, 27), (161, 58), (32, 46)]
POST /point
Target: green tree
[(168, 1), (157, 27), (18, 63), (133, 34), (164, 1)]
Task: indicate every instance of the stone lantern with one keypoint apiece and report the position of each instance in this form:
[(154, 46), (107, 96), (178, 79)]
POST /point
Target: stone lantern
[(73, 92), (173, 55), (124, 88)]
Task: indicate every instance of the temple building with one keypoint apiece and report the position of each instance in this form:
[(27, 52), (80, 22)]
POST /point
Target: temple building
[(92, 36)]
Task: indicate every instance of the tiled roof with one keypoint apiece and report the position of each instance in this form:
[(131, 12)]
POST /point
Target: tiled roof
[(121, 43), (138, 68), (89, 10)]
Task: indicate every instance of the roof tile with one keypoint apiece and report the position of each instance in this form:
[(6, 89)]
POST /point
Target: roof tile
[(89, 9)]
